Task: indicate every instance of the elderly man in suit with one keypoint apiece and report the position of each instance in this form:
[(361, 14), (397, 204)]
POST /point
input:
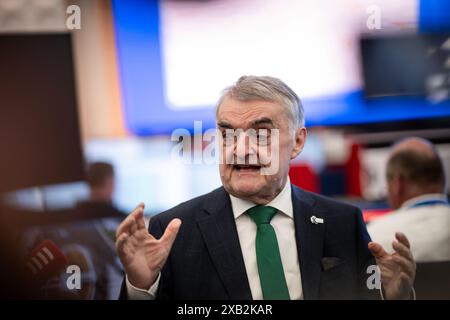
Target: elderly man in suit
[(258, 236)]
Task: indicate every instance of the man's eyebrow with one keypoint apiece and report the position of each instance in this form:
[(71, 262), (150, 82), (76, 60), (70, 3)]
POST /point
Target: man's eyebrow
[(262, 121), (224, 125), (258, 122)]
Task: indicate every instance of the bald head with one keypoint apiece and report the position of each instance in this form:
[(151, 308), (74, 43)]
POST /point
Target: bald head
[(414, 168), (418, 145)]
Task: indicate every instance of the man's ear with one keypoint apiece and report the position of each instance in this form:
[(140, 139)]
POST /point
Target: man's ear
[(398, 186), (402, 187), (299, 142)]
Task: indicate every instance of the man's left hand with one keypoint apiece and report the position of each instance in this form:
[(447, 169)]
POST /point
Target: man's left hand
[(398, 270)]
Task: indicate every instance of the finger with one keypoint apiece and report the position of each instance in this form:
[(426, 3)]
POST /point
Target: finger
[(126, 224), (402, 250), (377, 250), (133, 227), (139, 217), (138, 212), (401, 237), (120, 243), (171, 232), (139, 208), (405, 265)]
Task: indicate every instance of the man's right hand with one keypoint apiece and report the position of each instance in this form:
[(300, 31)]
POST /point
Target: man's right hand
[(142, 255)]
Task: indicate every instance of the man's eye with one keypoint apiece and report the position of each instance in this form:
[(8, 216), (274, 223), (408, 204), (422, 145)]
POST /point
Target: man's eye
[(263, 138), (227, 137)]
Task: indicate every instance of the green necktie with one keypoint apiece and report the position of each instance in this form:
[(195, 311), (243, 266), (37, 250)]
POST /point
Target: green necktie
[(270, 267)]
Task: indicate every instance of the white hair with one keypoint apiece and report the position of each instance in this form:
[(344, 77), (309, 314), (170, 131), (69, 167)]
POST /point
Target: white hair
[(267, 89)]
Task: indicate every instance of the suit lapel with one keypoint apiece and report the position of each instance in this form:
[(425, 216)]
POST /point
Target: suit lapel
[(309, 238), (219, 232)]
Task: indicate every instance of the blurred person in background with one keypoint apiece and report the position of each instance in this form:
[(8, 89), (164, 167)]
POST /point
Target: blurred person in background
[(101, 181), (416, 190), (90, 245)]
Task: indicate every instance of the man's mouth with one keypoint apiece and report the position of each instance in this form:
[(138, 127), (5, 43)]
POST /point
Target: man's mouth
[(246, 168)]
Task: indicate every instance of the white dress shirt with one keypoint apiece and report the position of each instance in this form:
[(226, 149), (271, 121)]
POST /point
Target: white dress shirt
[(427, 228), (283, 224)]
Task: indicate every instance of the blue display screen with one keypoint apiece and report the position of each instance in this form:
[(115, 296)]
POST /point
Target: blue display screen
[(176, 56)]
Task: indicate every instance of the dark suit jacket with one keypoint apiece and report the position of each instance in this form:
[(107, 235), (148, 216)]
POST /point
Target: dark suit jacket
[(206, 261)]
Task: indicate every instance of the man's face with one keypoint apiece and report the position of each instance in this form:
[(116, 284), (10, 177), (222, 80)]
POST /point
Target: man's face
[(269, 152), (108, 188)]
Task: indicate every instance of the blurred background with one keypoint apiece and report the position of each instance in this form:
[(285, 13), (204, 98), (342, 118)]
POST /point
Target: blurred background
[(91, 91)]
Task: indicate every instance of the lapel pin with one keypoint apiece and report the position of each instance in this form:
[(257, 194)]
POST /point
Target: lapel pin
[(316, 220)]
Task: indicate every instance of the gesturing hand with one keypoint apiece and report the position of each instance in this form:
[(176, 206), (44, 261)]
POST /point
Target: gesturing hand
[(398, 270), (143, 255)]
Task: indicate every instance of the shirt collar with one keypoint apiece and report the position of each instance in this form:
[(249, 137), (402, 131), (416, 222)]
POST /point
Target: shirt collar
[(425, 197), (282, 202)]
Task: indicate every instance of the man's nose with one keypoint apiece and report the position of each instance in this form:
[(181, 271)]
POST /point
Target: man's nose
[(244, 147)]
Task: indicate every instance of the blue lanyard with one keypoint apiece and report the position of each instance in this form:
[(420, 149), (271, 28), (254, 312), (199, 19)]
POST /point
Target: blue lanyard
[(429, 203)]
